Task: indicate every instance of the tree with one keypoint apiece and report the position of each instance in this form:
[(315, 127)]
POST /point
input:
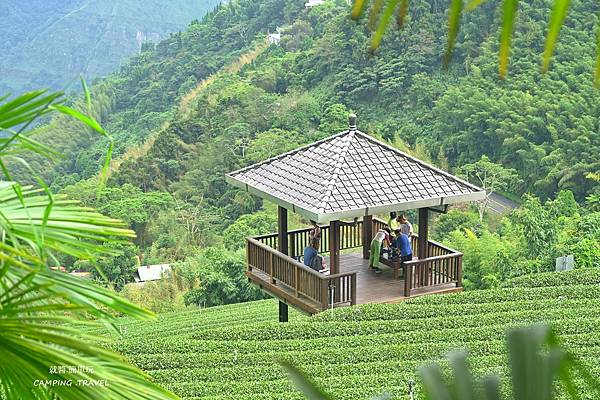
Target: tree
[(270, 144), (381, 13), (537, 225), (491, 177), (259, 223), (334, 119), (126, 202), (593, 199), (36, 333), (221, 277)]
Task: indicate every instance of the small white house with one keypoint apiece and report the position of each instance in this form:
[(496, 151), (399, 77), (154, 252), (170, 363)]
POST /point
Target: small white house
[(148, 273), (274, 38), (313, 3)]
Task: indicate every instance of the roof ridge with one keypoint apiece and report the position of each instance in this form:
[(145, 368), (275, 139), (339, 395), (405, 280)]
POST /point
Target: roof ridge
[(338, 165)]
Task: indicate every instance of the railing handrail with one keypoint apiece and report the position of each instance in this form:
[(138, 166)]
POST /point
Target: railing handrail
[(317, 287), (302, 230), (433, 242), (293, 261), (297, 263), (435, 258), (438, 244)]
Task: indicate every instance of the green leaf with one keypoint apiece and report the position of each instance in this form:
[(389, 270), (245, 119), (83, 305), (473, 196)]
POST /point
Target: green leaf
[(374, 14), (559, 13), (473, 4), (509, 12), (491, 387), (433, 383), (454, 15), (89, 121), (86, 93), (463, 380), (357, 8), (383, 23), (402, 13), (311, 390)]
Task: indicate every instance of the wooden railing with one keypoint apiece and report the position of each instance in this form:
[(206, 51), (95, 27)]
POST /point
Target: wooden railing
[(433, 271), (443, 265), (298, 239), (302, 281)]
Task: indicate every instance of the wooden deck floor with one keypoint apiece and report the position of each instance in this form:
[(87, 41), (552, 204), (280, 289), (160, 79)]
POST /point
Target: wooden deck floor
[(371, 287), (382, 287)]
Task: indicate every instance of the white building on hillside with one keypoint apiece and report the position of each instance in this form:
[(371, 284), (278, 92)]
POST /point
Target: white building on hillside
[(313, 3), (148, 273), (274, 38)]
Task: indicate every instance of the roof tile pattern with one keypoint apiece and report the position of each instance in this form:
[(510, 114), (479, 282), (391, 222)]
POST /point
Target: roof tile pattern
[(349, 171)]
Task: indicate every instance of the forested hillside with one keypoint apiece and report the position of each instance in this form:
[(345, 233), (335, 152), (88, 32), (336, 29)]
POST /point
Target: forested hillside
[(48, 43), (216, 97)]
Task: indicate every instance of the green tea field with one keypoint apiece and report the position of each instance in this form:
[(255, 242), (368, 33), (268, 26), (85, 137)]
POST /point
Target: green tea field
[(355, 353)]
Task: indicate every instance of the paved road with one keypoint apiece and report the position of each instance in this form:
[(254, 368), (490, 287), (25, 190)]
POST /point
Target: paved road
[(500, 204)]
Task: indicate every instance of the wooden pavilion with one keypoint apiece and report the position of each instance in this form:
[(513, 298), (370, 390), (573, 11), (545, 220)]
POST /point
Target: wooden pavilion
[(349, 176)]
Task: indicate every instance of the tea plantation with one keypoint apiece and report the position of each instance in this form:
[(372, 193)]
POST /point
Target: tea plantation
[(230, 351)]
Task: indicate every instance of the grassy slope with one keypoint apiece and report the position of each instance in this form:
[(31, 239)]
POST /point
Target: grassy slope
[(229, 352)]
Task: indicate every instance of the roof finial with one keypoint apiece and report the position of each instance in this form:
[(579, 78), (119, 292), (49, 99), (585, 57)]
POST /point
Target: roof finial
[(352, 122)]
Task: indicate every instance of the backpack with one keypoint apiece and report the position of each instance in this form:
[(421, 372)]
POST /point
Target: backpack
[(317, 263)]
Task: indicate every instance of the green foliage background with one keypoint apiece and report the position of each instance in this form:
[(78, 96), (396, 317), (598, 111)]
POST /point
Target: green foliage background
[(215, 98)]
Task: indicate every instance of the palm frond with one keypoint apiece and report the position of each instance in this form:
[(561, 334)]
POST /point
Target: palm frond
[(383, 23), (509, 13), (36, 330), (456, 7), (473, 4), (381, 10), (559, 13), (36, 340)]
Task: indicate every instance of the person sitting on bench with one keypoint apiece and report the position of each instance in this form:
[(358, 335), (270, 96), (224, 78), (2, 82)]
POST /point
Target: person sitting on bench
[(312, 258)]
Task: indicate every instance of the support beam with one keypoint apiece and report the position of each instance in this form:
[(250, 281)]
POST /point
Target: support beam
[(423, 232), (282, 230), (283, 312), (282, 247), (334, 247), (367, 235)]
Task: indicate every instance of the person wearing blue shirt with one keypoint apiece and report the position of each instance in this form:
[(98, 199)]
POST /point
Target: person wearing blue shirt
[(311, 256), (402, 244)]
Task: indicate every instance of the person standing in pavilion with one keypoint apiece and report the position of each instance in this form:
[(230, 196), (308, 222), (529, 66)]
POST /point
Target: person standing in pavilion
[(379, 242)]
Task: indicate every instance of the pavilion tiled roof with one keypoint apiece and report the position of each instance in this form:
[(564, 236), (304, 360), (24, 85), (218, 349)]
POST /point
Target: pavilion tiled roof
[(349, 175)]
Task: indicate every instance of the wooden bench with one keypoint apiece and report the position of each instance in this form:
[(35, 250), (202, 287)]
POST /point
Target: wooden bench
[(396, 265)]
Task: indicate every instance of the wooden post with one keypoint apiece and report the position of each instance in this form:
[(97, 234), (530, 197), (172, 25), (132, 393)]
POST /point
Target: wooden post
[(407, 279), (282, 230), (282, 247), (353, 289), (367, 235), (334, 247), (423, 232), (283, 312), (459, 271)]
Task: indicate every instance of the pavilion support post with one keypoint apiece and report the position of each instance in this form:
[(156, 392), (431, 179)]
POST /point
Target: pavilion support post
[(334, 247), (283, 312), (423, 233), (282, 247), (367, 235)]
